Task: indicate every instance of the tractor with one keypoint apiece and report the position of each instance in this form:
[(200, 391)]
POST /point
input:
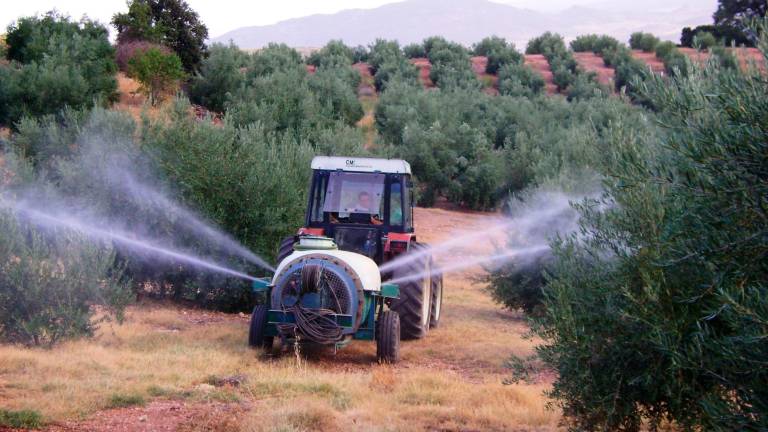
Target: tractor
[(327, 288)]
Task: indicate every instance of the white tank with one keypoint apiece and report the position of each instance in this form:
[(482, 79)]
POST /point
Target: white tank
[(363, 268)]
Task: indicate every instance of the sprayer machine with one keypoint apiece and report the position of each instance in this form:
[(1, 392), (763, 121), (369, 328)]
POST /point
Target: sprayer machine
[(327, 288)]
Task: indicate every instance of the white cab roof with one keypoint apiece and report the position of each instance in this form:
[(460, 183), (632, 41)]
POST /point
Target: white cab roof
[(359, 164)]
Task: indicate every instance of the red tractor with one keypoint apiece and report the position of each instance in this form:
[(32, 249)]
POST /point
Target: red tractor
[(365, 206)]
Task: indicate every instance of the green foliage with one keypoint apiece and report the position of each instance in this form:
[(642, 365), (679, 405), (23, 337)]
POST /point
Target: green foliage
[(499, 53), (725, 58), (675, 62), (169, 22), (47, 286), (359, 54), (383, 51), (414, 50), (643, 41), (451, 67), (396, 70), (249, 180), (333, 54), (664, 49), (123, 400), (561, 61), (274, 58), (23, 419), (220, 76), (292, 101), (658, 314), (737, 12), (518, 79), (547, 44), (55, 63), (726, 33), (704, 40), (598, 44), (585, 86), (158, 73)]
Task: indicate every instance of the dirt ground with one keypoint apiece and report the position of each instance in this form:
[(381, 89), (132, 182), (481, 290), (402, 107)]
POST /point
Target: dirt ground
[(592, 62), (540, 64), (171, 368), (649, 59)]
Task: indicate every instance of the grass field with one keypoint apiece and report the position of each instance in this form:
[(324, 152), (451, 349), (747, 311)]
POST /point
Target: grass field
[(170, 368)]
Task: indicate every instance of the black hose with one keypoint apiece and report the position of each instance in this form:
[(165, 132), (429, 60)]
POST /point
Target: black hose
[(316, 325)]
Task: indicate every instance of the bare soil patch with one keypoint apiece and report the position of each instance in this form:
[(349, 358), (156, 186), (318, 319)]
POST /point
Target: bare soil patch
[(425, 67), (650, 59), (592, 62), (540, 64)]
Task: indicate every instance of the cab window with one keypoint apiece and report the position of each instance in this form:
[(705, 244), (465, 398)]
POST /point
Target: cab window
[(396, 204)]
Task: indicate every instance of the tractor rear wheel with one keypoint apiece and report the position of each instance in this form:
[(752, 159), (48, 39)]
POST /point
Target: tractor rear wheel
[(437, 299), (415, 299), (388, 337), (256, 337), (286, 248)]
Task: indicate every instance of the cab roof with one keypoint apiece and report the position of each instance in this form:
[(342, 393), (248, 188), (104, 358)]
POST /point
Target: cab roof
[(359, 164)]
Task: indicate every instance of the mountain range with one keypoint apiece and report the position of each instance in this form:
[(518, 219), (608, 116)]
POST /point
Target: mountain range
[(468, 21)]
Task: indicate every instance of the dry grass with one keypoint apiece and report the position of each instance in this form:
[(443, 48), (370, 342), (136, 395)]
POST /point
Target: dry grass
[(449, 381)]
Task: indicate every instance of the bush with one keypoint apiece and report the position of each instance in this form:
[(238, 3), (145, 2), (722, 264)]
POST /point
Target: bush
[(168, 22), (24, 419), (49, 285), (595, 43), (547, 44), (585, 86), (359, 54), (725, 58), (725, 33), (397, 69), (55, 63), (158, 73), (657, 316), (675, 62), (452, 67), (584, 43), (414, 50), (123, 400), (643, 41), (220, 76), (520, 80), (333, 54), (501, 57), (274, 58), (664, 49), (704, 40), (127, 50), (383, 51)]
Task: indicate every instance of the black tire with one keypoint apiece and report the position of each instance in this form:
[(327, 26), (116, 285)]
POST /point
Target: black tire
[(414, 302), (388, 337), (286, 248), (256, 338), (436, 309)]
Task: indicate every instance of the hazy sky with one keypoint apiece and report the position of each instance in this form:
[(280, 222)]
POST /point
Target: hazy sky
[(222, 16)]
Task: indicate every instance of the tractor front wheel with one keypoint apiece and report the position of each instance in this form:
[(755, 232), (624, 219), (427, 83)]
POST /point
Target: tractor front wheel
[(256, 337), (414, 304), (388, 337)]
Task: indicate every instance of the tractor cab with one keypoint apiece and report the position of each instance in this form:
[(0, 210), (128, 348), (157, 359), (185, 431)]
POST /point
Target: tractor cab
[(364, 204)]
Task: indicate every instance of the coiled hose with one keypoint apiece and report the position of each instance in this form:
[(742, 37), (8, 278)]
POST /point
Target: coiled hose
[(316, 325)]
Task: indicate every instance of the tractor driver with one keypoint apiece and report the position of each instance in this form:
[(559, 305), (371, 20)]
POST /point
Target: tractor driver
[(362, 212)]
